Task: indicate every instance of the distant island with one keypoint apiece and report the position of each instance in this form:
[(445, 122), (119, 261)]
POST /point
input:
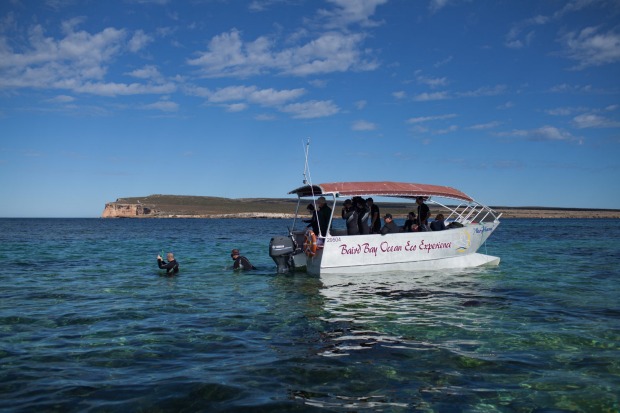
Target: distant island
[(182, 206)]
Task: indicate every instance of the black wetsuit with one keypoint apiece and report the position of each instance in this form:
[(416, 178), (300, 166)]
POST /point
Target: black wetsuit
[(314, 222), (242, 263), (408, 225), (171, 267), (324, 214), (376, 226), (423, 213)]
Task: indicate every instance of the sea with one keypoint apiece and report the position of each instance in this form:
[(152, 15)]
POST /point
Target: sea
[(88, 323)]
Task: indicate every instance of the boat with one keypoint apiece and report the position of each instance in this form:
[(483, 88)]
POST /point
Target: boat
[(468, 225)]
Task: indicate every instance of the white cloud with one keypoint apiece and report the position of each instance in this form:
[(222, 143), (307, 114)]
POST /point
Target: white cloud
[(449, 129), (506, 105), (484, 91), (138, 41), (163, 105), (116, 89), (443, 62), (77, 62), (311, 109), (236, 107), (252, 94), (228, 55), (362, 125), (61, 99), (348, 12), (594, 121), (484, 126), (436, 5), (432, 82), (591, 48), (147, 72), (399, 94), (361, 104), (515, 39), (421, 119), (566, 88), (544, 133), (423, 97)]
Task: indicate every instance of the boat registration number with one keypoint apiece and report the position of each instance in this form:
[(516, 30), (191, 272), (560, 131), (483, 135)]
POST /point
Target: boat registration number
[(333, 239)]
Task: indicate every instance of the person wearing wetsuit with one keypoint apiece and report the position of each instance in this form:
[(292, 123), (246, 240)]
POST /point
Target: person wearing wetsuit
[(324, 214), (363, 213), (390, 226), (171, 267), (423, 213), (314, 221), (410, 223), (349, 213), (375, 216), (240, 262)]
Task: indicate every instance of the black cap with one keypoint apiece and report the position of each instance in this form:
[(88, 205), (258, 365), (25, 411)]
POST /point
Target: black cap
[(388, 216)]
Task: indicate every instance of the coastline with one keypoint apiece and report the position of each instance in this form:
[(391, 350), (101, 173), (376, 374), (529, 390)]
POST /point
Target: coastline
[(175, 206)]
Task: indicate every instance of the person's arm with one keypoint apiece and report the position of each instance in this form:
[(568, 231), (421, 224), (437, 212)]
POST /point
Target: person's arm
[(168, 266), (375, 216)]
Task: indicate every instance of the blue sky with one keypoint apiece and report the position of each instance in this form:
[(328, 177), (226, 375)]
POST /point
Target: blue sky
[(515, 103)]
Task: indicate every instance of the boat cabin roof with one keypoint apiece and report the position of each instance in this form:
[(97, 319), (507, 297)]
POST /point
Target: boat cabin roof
[(395, 189)]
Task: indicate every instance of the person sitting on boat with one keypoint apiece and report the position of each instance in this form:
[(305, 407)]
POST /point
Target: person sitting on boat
[(350, 215), (240, 262), (324, 215), (375, 216), (171, 267), (438, 224), (363, 213), (390, 226), (423, 214), (314, 221), (410, 223)]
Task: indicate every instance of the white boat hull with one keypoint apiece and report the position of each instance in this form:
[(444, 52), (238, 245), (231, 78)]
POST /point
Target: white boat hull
[(453, 248)]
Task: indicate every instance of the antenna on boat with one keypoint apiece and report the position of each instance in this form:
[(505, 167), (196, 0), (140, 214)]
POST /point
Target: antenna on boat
[(306, 169), (307, 178)]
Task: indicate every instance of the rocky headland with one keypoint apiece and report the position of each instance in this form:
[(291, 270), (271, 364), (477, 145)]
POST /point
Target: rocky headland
[(177, 206)]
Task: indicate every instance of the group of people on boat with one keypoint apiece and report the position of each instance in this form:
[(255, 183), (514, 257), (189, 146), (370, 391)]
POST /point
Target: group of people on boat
[(362, 216), (172, 265)]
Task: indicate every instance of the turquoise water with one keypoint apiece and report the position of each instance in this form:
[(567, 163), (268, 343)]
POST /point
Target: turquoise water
[(88, 323)]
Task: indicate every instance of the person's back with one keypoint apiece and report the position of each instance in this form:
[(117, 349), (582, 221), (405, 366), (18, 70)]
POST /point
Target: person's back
[(438, 224), (324, 215)]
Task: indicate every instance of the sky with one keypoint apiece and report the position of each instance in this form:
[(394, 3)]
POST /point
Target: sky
[(516, 103)]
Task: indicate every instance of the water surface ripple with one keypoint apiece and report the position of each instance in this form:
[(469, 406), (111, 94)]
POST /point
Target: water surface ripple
[(89, 324)]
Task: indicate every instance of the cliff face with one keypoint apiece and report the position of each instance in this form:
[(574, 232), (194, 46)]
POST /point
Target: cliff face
[(117, 210)]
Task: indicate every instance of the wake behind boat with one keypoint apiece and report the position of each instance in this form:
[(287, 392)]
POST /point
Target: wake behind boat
[(468, 222)]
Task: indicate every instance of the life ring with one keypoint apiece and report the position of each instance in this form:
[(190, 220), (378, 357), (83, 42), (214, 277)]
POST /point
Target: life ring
[(310, 243)]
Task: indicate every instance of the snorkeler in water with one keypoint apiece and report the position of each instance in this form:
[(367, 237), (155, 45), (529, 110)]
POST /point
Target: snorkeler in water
[(171, 267)]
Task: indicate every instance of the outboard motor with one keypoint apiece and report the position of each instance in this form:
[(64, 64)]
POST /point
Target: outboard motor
[(281, 250)]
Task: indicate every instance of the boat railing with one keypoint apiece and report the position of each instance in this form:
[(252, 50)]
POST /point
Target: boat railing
[(467, 213)]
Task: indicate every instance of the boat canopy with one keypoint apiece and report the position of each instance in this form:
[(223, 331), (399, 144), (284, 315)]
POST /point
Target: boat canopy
[(394, 189)]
